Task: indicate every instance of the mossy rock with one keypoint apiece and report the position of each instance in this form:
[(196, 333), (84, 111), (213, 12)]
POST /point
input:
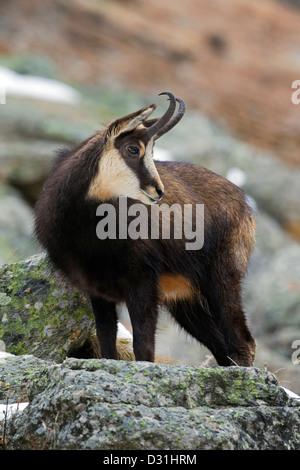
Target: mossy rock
[(40, 313), (118, 405), (16, 373)]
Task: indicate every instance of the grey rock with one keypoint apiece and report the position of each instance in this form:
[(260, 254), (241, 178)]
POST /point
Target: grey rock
[(26, 162), (16, 222), (29, 120), (277, 301), (107, 405), (16, 372), (272, 288), (40, 313)]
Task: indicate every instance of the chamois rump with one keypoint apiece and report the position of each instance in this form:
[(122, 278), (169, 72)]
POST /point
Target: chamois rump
[(201, 288)]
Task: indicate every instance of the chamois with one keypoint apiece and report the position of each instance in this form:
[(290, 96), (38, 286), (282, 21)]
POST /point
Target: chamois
[(201, 288)]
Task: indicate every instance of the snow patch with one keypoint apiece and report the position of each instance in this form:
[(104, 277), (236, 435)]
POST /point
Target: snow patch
[(291, 394), (4, 354), (236, 176), (162, 154), (122, 332), (7, 411), (12, 83)]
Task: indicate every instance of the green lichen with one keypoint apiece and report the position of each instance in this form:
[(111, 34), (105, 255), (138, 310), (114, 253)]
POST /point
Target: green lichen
[(37, 304), (4, 299), (22, 375)]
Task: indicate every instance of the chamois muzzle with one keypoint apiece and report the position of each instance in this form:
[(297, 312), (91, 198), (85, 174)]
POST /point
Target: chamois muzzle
[(169, 119)]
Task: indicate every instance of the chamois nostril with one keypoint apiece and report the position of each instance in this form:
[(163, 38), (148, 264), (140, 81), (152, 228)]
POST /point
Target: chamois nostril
[(159, 192)]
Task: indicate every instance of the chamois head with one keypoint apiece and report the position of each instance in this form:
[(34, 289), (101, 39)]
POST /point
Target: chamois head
[(126, 166)]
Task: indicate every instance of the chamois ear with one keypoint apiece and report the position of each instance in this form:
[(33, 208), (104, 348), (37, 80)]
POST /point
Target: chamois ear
[(150, 122), (130, 122)]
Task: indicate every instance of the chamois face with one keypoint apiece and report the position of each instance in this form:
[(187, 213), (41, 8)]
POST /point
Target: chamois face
[(137, 153), (126, 166)]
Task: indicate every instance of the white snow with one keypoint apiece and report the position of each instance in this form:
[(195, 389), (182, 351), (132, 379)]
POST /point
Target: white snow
[(4, 354), (12, 83), (291, 394), (162, 154), (6, 411), (123, 333), (236, 176)]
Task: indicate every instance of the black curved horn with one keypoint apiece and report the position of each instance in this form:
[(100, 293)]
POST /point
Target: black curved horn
[(174, 120), (158, 126)]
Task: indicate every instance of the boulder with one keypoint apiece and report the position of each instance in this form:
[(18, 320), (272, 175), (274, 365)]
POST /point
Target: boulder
[(31, 133), (26, 164), (271, 298), (16, 220), (111, 405), (40, 313), (15, 374), (272, 287)]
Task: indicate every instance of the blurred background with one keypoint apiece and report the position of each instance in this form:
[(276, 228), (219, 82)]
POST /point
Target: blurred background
[(66, 67)]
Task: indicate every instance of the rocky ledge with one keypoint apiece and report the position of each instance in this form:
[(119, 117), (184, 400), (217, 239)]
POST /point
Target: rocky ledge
[(109, 405)]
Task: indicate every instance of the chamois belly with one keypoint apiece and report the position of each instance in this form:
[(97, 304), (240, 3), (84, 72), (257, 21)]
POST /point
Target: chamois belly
[(174, 287)]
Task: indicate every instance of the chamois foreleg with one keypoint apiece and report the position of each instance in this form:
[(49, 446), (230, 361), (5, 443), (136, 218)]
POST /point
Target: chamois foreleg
[(106, 326)]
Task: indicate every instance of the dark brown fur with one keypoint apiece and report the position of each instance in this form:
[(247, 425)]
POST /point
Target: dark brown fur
[(202, 288)]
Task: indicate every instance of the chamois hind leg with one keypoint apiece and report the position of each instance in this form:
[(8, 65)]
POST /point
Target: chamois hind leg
[(225, 304), (106, 326), (195, 318)]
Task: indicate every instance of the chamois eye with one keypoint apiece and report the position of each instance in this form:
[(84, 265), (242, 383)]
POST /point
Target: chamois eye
[(133, 149)]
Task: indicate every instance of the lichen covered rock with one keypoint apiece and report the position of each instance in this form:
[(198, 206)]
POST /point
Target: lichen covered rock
[(16, 372), (40, 313), (110, 405)]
